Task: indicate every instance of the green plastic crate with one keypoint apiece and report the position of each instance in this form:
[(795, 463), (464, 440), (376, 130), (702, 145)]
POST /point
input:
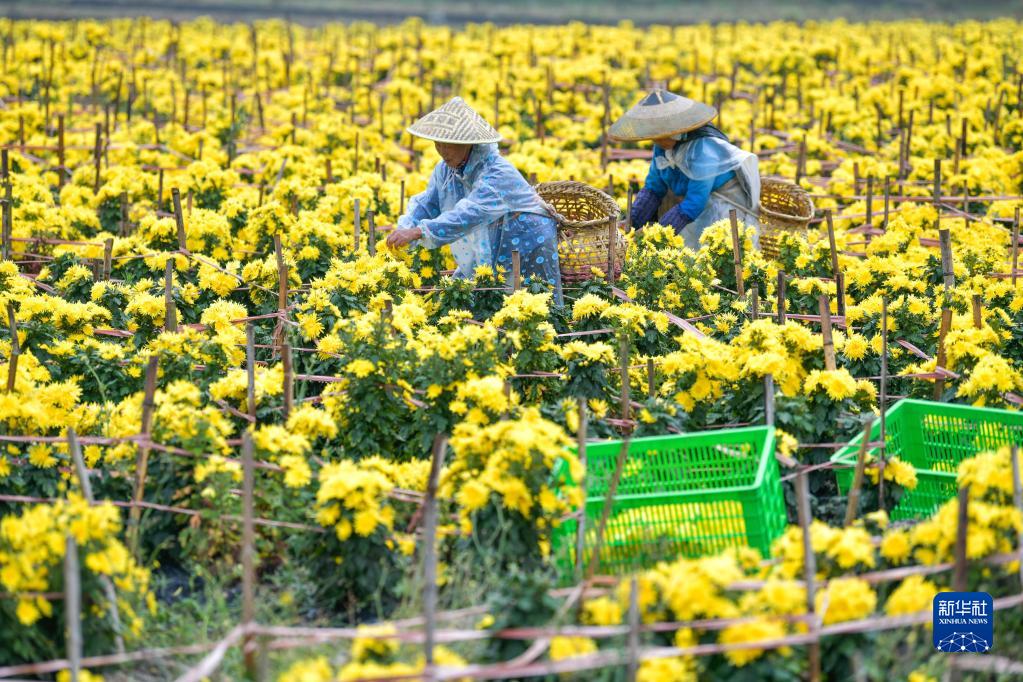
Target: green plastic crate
[(933, 438), (685, 495)]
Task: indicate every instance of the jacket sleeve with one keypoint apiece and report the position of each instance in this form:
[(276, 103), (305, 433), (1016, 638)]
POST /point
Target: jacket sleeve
[(644, 208), (654, 182), (483, 205), (697, 194), (422, 206)]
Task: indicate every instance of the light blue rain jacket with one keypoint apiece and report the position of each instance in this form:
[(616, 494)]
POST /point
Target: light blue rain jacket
[(486, 211)]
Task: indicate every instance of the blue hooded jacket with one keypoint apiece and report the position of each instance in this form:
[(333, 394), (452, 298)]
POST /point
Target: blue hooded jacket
[(485, 211)]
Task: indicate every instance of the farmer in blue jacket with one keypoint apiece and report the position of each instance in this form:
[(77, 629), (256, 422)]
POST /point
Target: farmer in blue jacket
[(477, 202), (693, 164)]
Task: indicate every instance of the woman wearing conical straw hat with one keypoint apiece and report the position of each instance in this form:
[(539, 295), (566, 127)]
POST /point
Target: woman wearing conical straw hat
[(694, 161), (477, 202)]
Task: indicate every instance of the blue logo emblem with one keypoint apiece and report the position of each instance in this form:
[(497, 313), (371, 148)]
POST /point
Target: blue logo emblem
[(964, 622)]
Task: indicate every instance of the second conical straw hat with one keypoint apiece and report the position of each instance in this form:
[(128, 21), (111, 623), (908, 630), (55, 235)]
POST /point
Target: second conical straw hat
[(661, 114), (455, 122)]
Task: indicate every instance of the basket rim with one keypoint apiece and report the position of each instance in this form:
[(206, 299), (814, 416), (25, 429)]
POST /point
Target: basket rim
[(765, 435), (850, 451), (582, 189), (778, 181)]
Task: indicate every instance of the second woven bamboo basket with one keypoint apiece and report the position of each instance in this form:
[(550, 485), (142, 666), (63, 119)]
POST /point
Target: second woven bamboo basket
[(586, 217)]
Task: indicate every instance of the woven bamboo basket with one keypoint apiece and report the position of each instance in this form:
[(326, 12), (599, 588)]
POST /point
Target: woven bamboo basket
[(584, 216), (784, 207)]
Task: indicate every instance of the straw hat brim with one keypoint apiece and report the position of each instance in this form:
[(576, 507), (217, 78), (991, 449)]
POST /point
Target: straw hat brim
[(441, 137), (455, 122), (650, 123)]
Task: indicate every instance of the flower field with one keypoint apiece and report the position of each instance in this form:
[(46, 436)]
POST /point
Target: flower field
[(242, 437)]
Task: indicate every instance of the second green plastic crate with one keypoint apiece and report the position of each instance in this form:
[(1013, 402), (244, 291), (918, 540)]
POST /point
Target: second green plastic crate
[(681, 495), (934, 438)]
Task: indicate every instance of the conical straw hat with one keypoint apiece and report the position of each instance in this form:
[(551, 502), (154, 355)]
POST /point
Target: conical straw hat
[(661, 114), (455, 122)]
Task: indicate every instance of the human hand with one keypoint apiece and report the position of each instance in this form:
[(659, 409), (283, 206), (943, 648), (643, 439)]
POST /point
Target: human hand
[(401, 238)]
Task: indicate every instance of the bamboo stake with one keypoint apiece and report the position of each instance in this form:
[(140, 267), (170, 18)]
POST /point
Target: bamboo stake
[(947, 270), (12, 362), (769, 399), (870, 202), (516, 272), (580, 531), (609, 497), (948, 277), (142, 459), (540, 134), (612, 234), (250, 370), (170, 320), (124, 214), (605, 123), (73, 608), (809, 571), (1015, 246), (651, 378), (440, 442), (387, 319), (623, 357), (106, 133), (248, 552), (497, 105), (108, 586), (60, 151), (7, 221), (282, 275), (831, 242), (829, 344), (781, 297), (962, 529), (736, 253), (179, 218), (289, 377), (978, 310), (97, 157), (633, 618), (853, 502), (946, 326), (371, 238), (357, 225), (801, 160), (887, 200), (1017, 499), (883, 402), (156, 128)]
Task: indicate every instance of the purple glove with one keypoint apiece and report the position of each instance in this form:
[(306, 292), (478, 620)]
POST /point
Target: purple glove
[(675, 219), (644, 208)]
